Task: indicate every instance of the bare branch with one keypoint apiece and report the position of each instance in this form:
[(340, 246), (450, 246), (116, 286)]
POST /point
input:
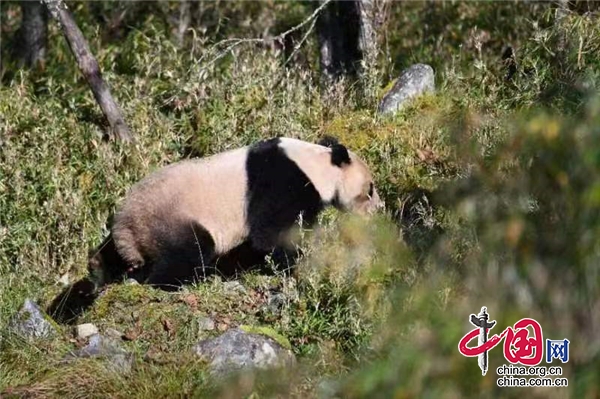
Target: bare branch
[(235, 42), (90, 69)]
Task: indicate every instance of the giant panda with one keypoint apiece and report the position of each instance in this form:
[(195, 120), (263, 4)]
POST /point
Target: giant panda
[(176, 224)]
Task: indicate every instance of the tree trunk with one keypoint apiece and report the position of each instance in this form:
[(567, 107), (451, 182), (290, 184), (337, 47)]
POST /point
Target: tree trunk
[(368, 36), (369, 47), (338, 35), (33, 34), (185, 17), (348, 41), (562, 11), (327, 35), (90, 69)]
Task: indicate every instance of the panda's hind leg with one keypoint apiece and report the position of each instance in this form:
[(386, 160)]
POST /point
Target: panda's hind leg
[(185, 253)]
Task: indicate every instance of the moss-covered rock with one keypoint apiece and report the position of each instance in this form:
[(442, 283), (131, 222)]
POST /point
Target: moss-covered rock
[(267, 332)]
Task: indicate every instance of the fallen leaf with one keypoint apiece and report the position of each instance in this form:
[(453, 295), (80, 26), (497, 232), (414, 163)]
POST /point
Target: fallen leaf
[(134, 332), (191, 301), (168, 326), (426, 155), (131, 334)]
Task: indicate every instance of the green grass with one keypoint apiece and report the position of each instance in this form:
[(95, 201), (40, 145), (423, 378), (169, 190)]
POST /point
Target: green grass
[(491, 188)]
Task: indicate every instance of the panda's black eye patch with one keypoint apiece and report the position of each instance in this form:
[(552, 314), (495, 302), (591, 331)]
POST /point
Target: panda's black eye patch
[(370, 194)]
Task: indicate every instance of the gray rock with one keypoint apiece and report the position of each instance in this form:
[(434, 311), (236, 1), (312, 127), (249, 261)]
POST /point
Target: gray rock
[(237, 349), (206, 324), (31, 322), (105, 348), (235, 286), (328, 388), (86, 330), (131, 281), (276, 302), (414, 81), (113, 333)]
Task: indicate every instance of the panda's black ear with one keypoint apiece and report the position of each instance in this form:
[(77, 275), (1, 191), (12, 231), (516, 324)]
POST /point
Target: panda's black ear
[(328, 141), (339, 155)]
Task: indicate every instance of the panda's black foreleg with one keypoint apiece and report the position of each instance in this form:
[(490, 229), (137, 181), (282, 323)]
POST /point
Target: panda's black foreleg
[(285, 257), (272, 241), (266, 234), (184, 254), (105, 264)]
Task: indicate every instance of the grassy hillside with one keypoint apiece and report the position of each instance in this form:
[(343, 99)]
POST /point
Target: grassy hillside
[(492, 189)]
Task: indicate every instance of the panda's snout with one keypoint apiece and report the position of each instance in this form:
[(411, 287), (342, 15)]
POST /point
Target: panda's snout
[(379, 203), (376, 204)]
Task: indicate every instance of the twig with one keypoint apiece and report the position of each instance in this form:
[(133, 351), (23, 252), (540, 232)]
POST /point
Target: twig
[(236, 41), (292, 55), (301, 42), (301, 24)]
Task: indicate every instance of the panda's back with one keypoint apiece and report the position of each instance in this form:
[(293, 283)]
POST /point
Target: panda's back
[(208, 192)]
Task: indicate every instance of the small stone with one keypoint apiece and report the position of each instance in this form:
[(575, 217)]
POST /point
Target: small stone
[(105, 348), (131, 281), (206, 324), (414, 81), (31, 322), (64, 280), (235, 286), (86, 330), (276, 302), (113, 333), (237, 349), (328, 389)]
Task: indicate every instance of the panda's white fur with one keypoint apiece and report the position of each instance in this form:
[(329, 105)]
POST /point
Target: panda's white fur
[(210, 191), (216, 204)]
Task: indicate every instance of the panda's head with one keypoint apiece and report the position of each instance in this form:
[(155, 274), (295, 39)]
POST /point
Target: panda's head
[(354, 189)]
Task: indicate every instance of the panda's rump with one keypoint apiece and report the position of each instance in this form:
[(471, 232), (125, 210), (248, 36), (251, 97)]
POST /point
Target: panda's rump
[(184, 214)]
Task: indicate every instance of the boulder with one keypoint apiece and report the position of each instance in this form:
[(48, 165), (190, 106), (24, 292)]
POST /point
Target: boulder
[(414, 81), (237, 349), (31, 322)]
